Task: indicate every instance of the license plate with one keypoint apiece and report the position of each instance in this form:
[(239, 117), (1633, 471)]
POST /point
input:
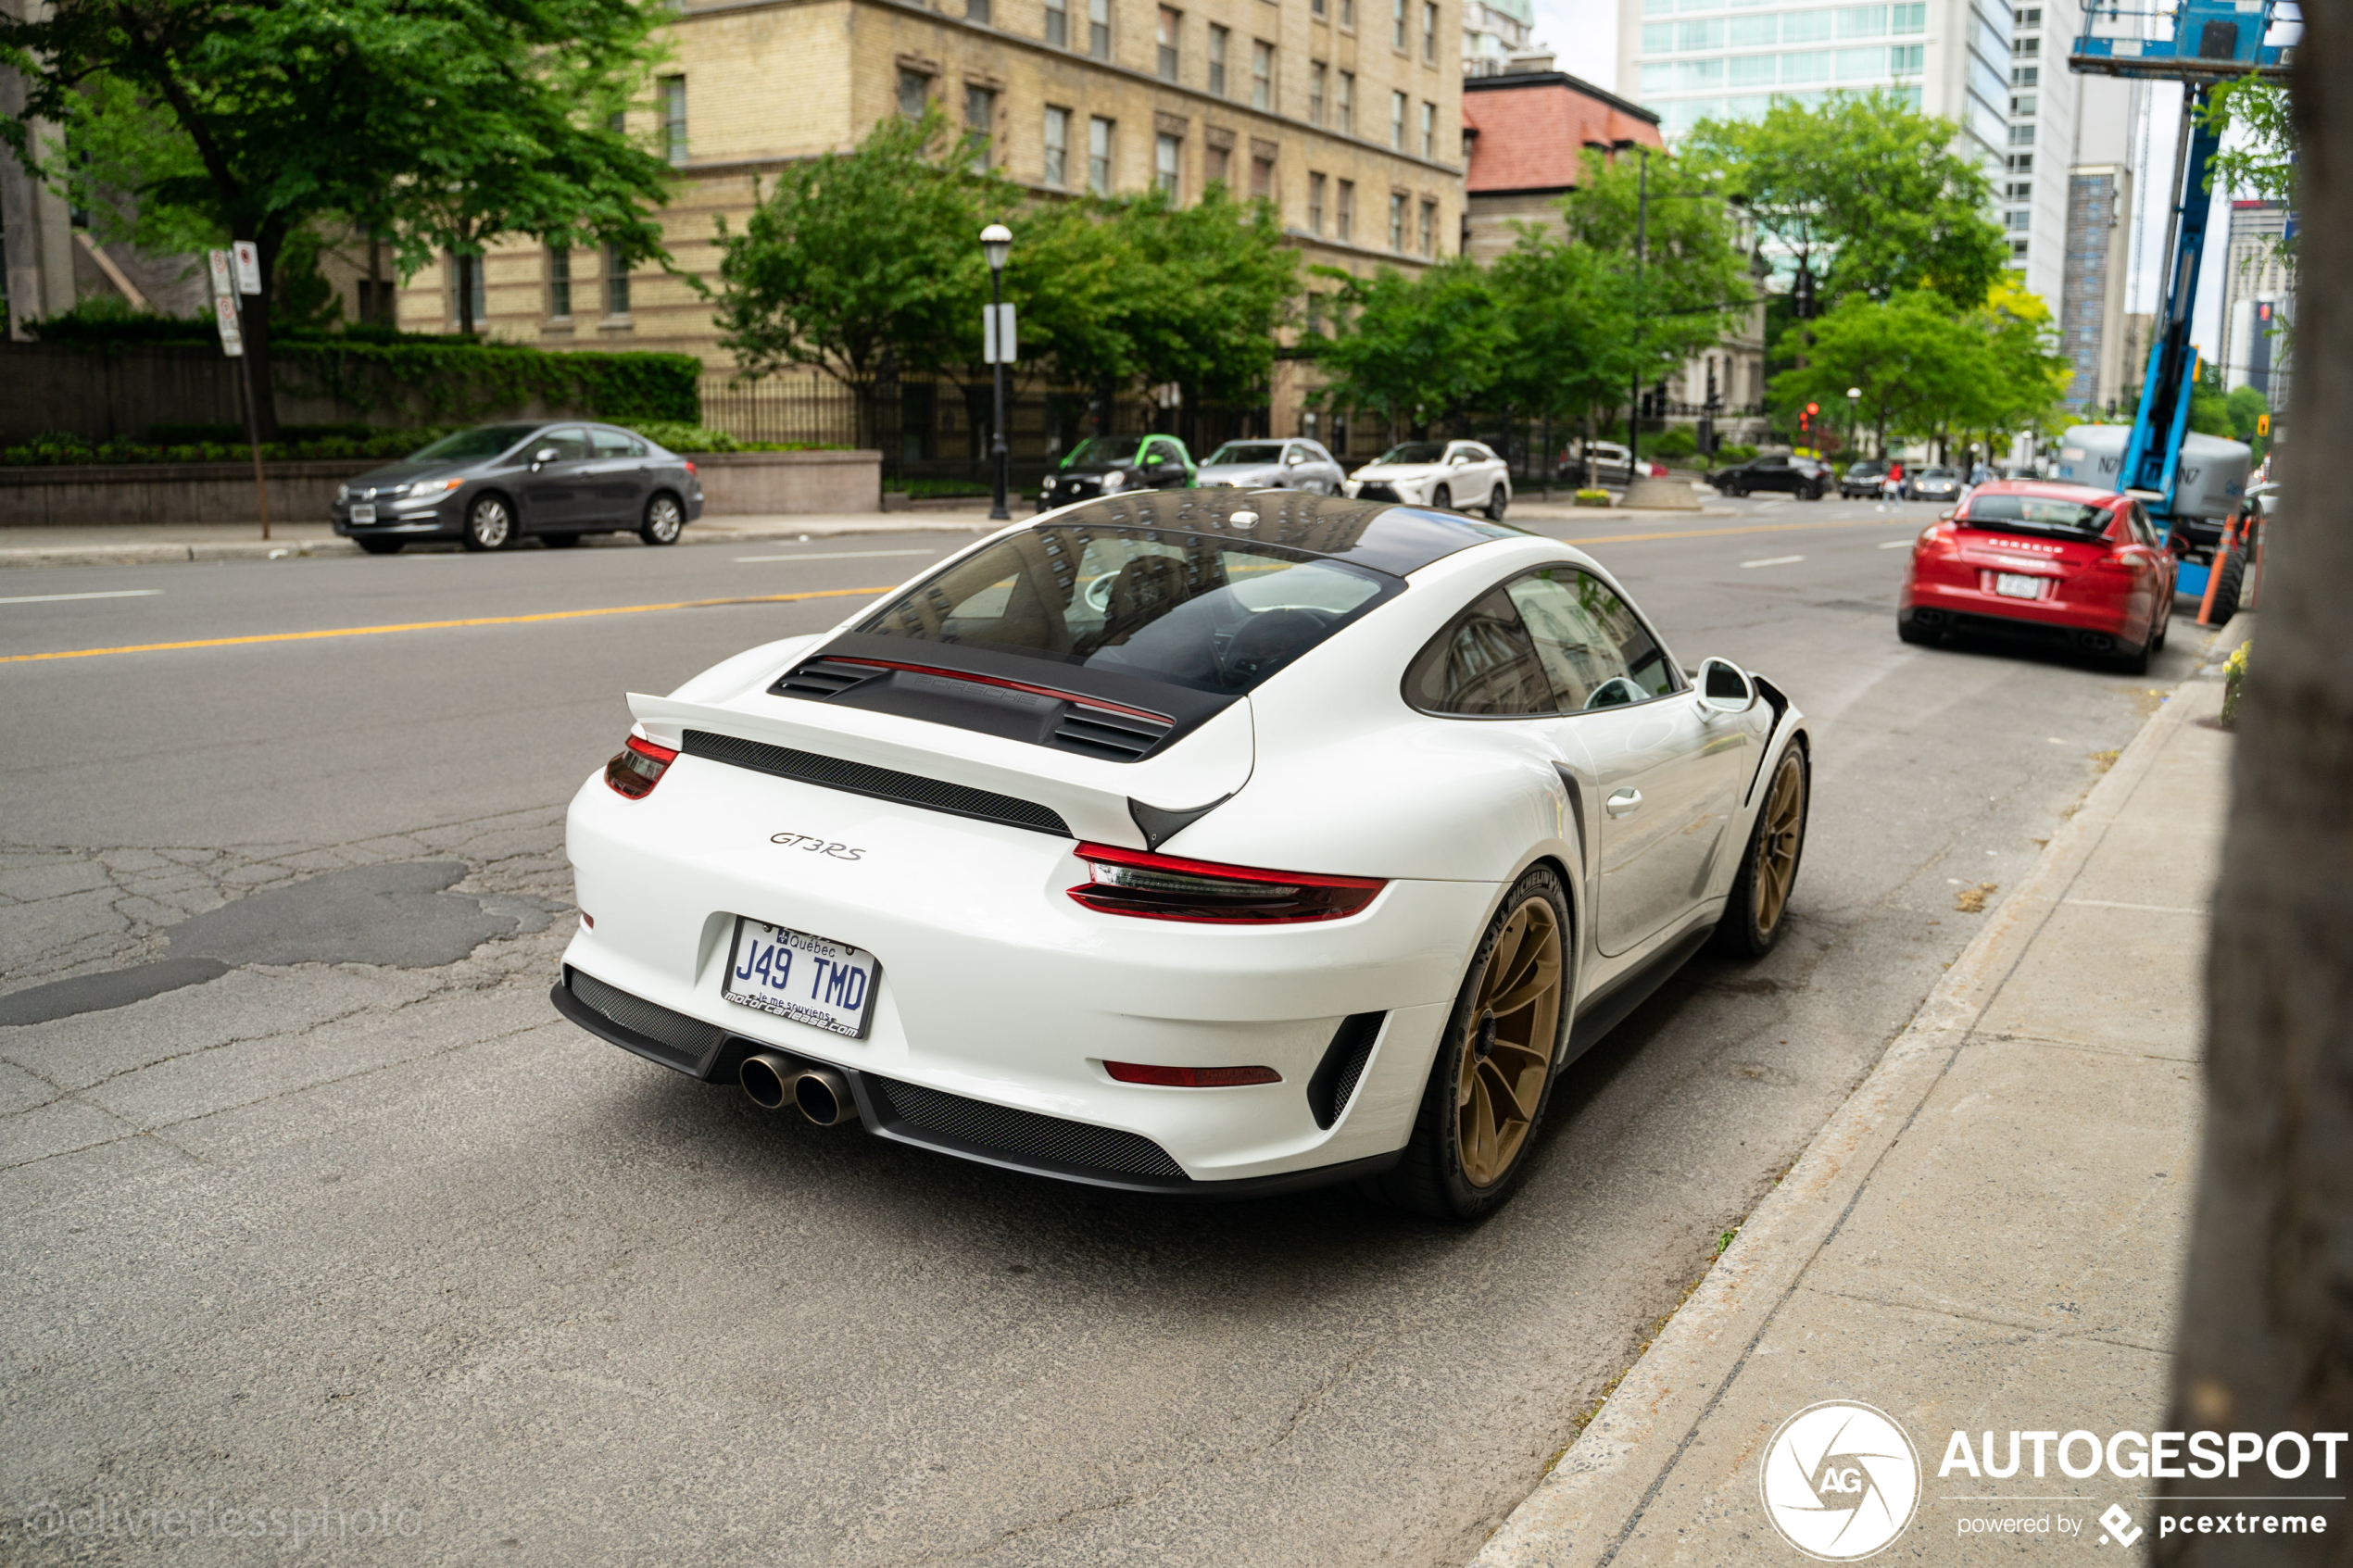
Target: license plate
[(2017, 585), (363, 513), (808, 979)]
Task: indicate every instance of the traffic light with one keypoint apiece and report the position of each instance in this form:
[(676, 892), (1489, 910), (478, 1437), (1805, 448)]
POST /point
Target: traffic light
[(1802, 295), (2262, 424), (1805, 420)]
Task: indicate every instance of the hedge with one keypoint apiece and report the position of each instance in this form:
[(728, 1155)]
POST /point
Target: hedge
[(448, 379)]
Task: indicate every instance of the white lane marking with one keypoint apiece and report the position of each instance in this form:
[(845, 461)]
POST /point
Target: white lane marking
[(836, 555), (53, 599), (1772, 561), (1898, 545)]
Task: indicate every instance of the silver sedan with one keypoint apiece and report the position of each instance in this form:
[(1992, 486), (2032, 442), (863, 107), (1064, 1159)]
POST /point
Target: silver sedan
[(1272, 465)]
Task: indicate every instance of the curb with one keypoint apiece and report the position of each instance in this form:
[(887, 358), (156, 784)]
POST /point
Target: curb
[(150, 552), (1585, 1509)]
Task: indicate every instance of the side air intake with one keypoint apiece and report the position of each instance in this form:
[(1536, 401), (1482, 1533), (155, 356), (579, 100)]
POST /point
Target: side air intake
[(1336, 1077)]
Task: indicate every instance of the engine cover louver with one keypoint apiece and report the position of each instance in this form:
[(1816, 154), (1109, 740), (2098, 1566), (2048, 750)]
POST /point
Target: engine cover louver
[(1098, 731)]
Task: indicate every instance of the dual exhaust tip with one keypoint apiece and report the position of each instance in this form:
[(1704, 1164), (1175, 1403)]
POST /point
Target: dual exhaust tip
[(819, 1092)]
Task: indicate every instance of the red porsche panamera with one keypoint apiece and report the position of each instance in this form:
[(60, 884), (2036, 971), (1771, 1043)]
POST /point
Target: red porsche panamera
[(2065, 565)]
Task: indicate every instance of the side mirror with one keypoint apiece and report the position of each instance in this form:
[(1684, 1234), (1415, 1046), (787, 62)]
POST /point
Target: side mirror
[(1292, 460), (1724, 686), (544, 455), (1947, 517)]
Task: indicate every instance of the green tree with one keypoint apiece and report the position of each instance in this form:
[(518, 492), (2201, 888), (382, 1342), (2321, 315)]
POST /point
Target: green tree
[(253, 120), (858, 260), (1205, 289), (1572, 350), (1914, 356), (1416, 350), (1866, 192)]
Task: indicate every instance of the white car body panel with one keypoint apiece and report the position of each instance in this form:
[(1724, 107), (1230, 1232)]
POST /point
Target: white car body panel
[(1468, 484), (997, 987)]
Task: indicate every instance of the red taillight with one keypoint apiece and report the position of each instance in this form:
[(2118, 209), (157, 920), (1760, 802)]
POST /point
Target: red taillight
[(637, 767), (1190, 1077), (690, 467), (1129, 881)]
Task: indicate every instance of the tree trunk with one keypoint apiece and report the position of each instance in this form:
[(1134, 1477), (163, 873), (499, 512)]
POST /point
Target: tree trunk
[(2266, 1337), (466, 264)]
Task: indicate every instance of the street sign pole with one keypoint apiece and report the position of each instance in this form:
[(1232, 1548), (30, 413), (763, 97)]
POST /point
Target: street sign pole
[(235, 274)]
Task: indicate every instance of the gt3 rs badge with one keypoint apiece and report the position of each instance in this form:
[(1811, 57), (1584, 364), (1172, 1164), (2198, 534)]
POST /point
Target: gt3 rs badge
[(816, 846)]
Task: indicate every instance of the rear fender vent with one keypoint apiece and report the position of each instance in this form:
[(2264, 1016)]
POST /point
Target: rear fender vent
[(823, 678), (1099, 732), (883, 784), (1336, 1077)]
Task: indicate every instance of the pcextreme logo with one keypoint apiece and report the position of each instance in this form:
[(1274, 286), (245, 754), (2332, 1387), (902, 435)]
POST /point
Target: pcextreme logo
[(1840, 1481)]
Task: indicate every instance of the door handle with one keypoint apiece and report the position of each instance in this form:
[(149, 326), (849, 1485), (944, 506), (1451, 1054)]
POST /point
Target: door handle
[(1623, 801)]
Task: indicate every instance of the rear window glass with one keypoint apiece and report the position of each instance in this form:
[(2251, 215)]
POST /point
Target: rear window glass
[(1215, 615), (1247, 452), (1414, 452), (2034, 514)]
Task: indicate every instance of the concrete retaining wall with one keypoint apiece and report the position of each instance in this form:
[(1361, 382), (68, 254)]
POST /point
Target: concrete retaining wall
[(734, 484), (786, 484)]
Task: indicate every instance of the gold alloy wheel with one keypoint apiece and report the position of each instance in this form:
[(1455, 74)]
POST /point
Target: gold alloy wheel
[(1777, 838), (1515, 1022)]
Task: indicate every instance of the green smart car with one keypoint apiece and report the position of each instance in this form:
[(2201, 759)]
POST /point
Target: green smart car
[(1106, 465)]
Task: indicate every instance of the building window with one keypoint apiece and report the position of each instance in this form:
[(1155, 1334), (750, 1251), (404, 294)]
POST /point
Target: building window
[(1168, 24), (673, 119), (1318, 76), (1397, 221), (1058, 23), (1397, 120), (1429, 227), (1348, 14), (1397, 24), (977, 11), (1099, 157), (465, 275), (1319, 8), (1906, 59), (1218, 38), (2027, 48), (1430, 32), (559, 282), (1057, 146), (915, 92), (1344, 106), (2021, 135), (1344, 212), (2022, 163), (1314, 206), (1430, 132), (1215, 164), (980, 124), (1262, 75), (2026, 76), (616, 282), (1099, 29), (1167, 152), (1262, 179)]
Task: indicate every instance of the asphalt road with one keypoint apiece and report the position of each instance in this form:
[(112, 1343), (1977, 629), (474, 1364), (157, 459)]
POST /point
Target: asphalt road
[(339, 1219)]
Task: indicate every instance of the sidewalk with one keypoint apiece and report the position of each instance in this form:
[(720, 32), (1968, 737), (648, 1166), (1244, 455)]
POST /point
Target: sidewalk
[(1987, 1236), (107, 547)]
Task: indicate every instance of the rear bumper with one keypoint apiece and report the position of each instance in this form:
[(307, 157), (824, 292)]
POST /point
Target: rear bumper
[(1963, 608), (948, 1123), (999, 990)]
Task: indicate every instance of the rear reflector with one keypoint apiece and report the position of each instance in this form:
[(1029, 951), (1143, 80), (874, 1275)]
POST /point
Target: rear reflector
[(637, 767), (1190, 1077), (1130, 881)]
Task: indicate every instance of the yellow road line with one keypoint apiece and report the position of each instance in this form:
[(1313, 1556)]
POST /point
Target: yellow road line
[(437, 625), (1754, 528)]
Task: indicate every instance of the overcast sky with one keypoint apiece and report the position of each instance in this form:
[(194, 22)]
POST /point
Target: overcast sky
[(1582, 35)]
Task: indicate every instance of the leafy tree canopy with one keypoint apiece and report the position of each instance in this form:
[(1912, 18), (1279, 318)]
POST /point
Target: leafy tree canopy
[(253, 119), (1865, 190), (1926, 370)]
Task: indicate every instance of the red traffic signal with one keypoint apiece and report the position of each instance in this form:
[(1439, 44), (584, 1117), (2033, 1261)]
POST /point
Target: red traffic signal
[(1813, 409)]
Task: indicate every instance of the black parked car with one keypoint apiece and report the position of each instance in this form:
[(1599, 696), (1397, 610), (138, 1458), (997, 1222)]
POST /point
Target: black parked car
[(1805, 478), (1861, 478), (489, 486), (1105, 465)]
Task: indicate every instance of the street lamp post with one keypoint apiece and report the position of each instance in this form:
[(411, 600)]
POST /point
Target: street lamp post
[(1642, 231), (997, 243), (1854, 414)]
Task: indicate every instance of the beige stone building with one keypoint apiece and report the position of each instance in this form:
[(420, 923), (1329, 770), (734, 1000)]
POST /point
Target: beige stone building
[(1346, 113)]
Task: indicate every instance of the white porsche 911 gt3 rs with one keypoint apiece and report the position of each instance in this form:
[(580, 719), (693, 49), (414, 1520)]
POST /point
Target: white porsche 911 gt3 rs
[(1190, 841)]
